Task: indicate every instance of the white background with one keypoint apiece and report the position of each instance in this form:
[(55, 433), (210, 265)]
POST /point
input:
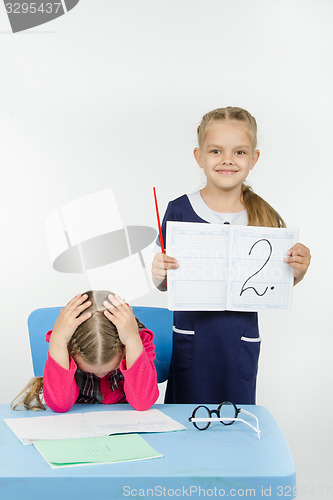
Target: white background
[(110, 95)]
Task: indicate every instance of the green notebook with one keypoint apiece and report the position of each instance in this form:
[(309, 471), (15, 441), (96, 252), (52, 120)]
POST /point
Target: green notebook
[(95, 450)]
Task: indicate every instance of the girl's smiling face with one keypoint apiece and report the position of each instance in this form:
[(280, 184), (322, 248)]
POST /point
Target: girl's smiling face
[(226, 154)]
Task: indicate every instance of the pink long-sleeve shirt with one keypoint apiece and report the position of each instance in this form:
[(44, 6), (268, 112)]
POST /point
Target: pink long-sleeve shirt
[(139, 387)]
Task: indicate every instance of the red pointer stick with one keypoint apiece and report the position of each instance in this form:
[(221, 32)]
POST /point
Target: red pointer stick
[(158, 222)]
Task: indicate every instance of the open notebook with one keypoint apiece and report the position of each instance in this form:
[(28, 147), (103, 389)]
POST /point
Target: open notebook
[(234, 268), (91, 424)]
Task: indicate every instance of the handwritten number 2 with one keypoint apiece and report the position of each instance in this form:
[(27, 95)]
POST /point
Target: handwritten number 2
[(244, 288)]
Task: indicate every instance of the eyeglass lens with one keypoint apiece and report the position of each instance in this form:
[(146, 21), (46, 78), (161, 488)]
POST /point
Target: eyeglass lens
[(202, 412), (227, 410)]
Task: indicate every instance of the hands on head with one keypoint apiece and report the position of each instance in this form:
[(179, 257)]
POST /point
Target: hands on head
[(71, 317), (121, 315), (76, 312)]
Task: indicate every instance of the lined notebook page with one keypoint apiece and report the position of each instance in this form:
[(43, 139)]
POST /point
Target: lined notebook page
[(222, 267)]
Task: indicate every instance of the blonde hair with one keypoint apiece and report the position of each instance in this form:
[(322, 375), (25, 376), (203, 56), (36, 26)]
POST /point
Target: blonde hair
[(260, 213), (96, 340)]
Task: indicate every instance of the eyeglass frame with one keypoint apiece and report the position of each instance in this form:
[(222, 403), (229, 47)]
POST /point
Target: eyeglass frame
[(223, 420)]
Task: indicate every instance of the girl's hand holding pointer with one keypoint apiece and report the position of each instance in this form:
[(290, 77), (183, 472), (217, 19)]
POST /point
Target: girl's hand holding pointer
[(160, 265)]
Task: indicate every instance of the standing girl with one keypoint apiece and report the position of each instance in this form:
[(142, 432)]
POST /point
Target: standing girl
[(215, 353), (98, 353)]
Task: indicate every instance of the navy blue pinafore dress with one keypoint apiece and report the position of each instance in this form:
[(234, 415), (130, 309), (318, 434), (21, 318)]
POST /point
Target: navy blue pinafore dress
[(215, 353)]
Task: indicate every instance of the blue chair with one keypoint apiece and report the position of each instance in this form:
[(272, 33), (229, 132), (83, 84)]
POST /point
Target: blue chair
[(157, 319)]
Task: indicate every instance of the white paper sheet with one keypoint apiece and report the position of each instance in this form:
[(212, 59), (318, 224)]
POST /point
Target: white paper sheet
[(223, 267), (81, 425)]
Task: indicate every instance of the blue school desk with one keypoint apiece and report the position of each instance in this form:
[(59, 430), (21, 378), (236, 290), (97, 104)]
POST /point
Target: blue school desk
[(220, 462)]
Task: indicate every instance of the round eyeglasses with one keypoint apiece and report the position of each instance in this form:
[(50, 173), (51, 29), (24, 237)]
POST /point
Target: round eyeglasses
[(226, 413)]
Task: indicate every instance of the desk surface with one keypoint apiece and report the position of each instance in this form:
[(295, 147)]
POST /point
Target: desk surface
[(223, 461)]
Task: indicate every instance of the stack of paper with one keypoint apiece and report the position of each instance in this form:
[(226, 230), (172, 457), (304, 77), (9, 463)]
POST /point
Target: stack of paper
[(84, 438)]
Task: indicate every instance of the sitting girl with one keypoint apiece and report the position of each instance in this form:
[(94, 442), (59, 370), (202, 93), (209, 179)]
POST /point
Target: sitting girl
[(98, 353)]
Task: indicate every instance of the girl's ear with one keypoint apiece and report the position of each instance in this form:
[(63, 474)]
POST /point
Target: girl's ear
[(255, 157), (198, 157)]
